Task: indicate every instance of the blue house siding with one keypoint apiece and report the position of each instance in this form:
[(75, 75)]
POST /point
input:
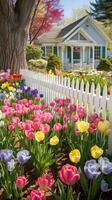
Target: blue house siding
[(93, 33)]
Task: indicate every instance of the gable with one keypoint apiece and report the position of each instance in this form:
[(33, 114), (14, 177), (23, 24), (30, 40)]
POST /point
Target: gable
[(78, 36)]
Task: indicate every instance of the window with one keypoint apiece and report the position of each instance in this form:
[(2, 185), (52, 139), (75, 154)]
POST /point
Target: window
[(97, 52), (48, 50)]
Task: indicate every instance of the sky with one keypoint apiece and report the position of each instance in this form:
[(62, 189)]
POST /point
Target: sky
[(69, 5)]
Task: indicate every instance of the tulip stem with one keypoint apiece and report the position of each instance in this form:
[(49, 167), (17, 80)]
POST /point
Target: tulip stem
[(89, 194)]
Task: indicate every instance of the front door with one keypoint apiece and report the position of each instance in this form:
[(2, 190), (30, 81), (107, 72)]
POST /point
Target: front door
[(76, 55)]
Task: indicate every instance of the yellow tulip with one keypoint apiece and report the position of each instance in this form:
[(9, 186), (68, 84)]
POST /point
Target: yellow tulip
[(54, 140), (103, 126), (16, 83), (108, 132), (82, 126), (75, 156), (4, 85), (11, 88), (39, 136), (96, 151)]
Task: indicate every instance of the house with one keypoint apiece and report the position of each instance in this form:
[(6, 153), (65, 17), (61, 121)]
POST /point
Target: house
[(81, 43)]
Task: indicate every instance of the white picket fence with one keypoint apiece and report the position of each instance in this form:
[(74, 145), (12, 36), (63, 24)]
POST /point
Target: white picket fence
[(55, 86)]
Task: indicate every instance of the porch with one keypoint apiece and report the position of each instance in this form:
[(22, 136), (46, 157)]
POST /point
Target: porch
[(77, 56)]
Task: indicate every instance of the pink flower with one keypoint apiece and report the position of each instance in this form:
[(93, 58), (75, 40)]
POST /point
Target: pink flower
[(66, 118), (73, 108), (15, 120), (45, 182), (11, 127), (92, 117), (30, 134), (47, 117), (81, 112), (37, 99), (77, 132), (37, 195), (65, 127), (57, 127), (52, 103), (74, 118), (45, 128), (21, 181), (69, 174)]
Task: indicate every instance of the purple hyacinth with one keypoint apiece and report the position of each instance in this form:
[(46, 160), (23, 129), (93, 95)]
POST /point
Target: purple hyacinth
[(92, 169), (6, 155), (23, 156), (105, 165)]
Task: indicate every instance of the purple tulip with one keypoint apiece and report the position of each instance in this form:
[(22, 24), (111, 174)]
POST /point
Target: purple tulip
[(105, 186), (105, 165), (92, 169), (11, 165), (23, 156), (6, 155)]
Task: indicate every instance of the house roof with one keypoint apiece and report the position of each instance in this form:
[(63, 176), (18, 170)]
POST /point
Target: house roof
[(59, 34), (69, 27), (49, 37)]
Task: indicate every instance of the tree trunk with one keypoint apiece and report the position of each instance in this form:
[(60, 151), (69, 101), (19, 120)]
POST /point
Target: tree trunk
[(14, 27)]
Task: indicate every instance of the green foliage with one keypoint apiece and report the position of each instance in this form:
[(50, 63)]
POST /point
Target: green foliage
[(33, 52), (102, 10), (35, 64), (54, 62), (105, 65)]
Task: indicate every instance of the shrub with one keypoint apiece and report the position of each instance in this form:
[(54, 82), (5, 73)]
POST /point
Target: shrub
[(33, 52), (54, 62), (105, 65), (40, 63)]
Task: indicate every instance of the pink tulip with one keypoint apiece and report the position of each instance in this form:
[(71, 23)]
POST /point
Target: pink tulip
[(47, 117), (37, 195), (57, 127), (73, 108), (65, 127), (30, 134), (81, 112), (77, 132), (45, 128), (37, 99), (66, 118), (45, 182), (11, 127), (15, 120), (69, 174), (21, 181), (74, 118), (52, 103)]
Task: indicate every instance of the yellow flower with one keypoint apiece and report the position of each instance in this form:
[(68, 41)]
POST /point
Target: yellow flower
[(39, 136), (108, 132), (103, 126), (11, 88), (96, 151), (16, 83), (75, 156), (82, 126), (4, 85), (54, 140)]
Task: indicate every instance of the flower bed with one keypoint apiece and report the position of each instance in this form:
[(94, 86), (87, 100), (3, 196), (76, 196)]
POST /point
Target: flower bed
[(53, 151)]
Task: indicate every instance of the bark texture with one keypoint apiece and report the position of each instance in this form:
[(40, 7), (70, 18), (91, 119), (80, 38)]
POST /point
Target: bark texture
[(14, 26)]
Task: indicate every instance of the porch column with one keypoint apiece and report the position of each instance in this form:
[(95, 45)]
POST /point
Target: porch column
[(101, 52), (72, 62), (89, 55), (66, 56), (52, 49), (45, 51), (106, 51), (83, 59), (57, 50), (93, 58), (62, 53)]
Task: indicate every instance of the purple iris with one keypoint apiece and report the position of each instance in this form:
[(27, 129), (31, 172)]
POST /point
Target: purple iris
[(6, 155), (105, 165), (92, 169), (23, 156)]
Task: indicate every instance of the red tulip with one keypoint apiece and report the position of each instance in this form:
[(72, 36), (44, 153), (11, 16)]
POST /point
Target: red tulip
[(69, 174)]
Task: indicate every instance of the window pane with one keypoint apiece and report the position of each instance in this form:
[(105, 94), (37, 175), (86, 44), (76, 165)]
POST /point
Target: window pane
[(97, 52), (49, 49)]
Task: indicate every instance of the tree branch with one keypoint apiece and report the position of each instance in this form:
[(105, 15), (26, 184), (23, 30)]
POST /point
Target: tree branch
[(24, 9)]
